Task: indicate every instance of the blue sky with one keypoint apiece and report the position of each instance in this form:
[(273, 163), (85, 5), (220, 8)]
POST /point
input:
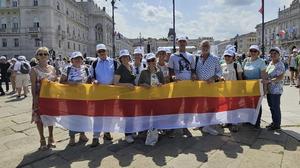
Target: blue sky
[(222, 19)]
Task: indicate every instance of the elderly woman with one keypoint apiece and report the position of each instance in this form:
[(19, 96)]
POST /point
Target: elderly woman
[(75, 74), (124, 77), (254, 68), (275, 73), (42, 71)]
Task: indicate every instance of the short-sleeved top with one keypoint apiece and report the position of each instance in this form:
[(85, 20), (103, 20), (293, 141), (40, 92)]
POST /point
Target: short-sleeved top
[(252, 69), (164, 69), (105, 70), (126, 75), (273, 71), (18, 64), (229, 72), (293, 62), (76, 75), (182, 68), (208, 68)]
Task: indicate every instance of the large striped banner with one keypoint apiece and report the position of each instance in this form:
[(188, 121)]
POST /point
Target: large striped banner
[(87, 107)]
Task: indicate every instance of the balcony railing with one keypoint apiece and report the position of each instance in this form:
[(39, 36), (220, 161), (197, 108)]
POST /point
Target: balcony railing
[(34, 30), (2, 30)]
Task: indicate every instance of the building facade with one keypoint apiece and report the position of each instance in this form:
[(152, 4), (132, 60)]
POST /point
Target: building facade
[(283, 31), (61, 25)]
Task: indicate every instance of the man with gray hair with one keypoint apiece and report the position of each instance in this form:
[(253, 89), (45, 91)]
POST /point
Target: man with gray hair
[(22, 69)]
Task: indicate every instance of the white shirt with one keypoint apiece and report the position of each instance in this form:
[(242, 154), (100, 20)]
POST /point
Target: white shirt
[(229, 71)]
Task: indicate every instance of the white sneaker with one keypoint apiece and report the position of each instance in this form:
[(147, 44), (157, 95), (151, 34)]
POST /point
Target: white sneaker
[(129, 139), (210, 130)]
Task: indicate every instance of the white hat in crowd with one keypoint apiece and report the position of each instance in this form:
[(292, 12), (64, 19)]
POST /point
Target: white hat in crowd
[(2, 58), (182, 38), (295, 50), (123, 53), (275, 49), (76, 54), (254, 47), (100, 47), (150, 56), (21, 58), (229, 53), (168, 51), (138, 51), (161, 49), (13, 59)]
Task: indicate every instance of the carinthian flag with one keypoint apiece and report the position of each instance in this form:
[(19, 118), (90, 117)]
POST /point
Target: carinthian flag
[(261, 10), (87, 107)]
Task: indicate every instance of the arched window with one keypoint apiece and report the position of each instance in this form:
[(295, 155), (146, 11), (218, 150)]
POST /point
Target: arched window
[(99, 32), (15, 23), (3, 23)]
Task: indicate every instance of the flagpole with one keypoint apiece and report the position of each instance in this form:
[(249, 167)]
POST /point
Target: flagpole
[(263, 28)]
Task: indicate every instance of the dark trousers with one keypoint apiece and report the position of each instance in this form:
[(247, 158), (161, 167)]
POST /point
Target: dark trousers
[(6, 81), (274, 104), (257, 124), (1, 90)]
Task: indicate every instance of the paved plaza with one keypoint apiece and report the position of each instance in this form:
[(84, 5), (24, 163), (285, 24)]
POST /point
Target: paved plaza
[(248, 148)]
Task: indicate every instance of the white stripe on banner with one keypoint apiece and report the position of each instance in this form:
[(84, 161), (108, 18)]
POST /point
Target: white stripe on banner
[(136, 124)]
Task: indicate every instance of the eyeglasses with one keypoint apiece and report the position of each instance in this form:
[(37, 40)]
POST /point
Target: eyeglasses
[(151, 60), (101, 51), (253, 51), (43, 54)]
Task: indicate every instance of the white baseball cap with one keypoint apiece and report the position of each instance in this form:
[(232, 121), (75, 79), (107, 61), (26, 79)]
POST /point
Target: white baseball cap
[(295, 50), (150, 56), (182, 38), (275, 49), (229, 52), (124, 52), (161, 49), (76, 54), (21, 58), (138, 51), (254, 47), (168, 51), (3, 58), (13, 59), (100, 47)]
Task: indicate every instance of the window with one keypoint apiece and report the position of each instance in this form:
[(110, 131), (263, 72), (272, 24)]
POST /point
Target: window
[(67, 12), (68, 29), (15, 3), (16, 42), (74, 47), (4, 42), (36, 22), (37, 42), (69, 47), (3, 25), (79, 47), (58, 6), (35, 2), (59, 43)]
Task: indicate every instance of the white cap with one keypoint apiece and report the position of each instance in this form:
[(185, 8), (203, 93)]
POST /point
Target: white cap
[(76, 54), (100, 47), (3, 58), (138, 51), (182, 38), (13, 59), (150, 56), (124, 52), (295, 50), (21, 58), (161, 49), (254, 47), (229, 52), (275, 49), (168, 51)]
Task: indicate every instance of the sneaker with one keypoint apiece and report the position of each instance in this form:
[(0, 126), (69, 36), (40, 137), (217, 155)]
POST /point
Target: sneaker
[(95, 142), (107, 136), (129, 139), (210, 130), (274, 128)]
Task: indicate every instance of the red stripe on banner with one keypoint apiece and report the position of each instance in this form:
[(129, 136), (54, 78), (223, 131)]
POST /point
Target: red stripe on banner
[(132, 108)]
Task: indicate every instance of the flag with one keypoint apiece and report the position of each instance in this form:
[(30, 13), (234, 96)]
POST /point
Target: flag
[(185, 104), (261, 10)]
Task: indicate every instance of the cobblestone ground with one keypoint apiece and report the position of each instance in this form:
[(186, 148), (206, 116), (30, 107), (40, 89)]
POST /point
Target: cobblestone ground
[(248, 148)]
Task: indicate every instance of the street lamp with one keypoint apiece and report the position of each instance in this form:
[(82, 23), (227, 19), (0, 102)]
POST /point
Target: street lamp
[(174, 35), (113, 19)]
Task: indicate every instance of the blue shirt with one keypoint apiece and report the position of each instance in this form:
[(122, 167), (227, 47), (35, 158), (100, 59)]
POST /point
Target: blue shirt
[(273, 71), (208, 68), (252, 69), (104, 71)]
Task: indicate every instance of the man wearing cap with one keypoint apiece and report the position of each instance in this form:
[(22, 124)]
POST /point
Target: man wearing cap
[(4, 65), (137, 65), (102, 72), (22, 69), (181, 66), (168, 51), (293, 66)]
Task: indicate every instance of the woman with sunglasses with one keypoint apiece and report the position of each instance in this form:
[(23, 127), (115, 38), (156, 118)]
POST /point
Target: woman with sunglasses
[(151, 77), (254, 68), (274, 81), (42, 71), (124, 77)]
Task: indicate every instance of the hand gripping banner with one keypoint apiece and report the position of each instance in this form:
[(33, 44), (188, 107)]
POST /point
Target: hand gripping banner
[(185, 104)]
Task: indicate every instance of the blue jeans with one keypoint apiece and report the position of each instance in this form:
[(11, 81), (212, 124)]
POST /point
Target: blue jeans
[(274, 104)]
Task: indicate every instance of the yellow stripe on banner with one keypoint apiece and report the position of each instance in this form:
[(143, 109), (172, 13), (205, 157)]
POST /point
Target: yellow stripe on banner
[(171, 90)]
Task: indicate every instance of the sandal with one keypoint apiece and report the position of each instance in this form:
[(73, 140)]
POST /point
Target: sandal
[(51, 143), (43, 146)]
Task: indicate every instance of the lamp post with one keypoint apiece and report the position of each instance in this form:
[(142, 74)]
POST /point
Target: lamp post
[(113, 31), (174, 35)]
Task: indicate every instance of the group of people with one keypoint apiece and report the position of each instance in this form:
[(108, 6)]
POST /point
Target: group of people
[(158, 68)]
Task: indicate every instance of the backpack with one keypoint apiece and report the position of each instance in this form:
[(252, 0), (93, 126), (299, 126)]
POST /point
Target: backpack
[(25, 68), (86, 71), (94, 64)]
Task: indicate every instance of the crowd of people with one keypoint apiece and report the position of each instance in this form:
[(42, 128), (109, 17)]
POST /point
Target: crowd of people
[(151, 70)]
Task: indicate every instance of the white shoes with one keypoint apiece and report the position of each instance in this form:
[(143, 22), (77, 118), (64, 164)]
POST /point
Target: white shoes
[(129, 139), (210, 130)]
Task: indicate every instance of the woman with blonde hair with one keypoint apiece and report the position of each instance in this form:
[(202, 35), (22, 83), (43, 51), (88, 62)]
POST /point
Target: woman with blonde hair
[(42, 71)]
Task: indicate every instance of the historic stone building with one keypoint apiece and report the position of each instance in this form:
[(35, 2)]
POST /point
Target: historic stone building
[(283, 31), (61, 25)]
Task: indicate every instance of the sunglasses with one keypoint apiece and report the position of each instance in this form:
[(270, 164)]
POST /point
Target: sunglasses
[(101, 51), (253, 51), (151, 60), (43, 54)]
